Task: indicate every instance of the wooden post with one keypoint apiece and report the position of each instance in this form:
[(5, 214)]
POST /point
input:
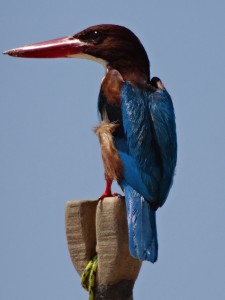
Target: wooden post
[(100, 227)]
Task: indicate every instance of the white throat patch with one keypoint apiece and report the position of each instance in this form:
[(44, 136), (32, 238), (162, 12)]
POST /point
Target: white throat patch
[(90, 57)]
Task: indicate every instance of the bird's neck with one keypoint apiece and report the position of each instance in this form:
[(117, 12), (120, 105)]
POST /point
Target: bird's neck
[(135, 76), (114, 79), (136, 72)]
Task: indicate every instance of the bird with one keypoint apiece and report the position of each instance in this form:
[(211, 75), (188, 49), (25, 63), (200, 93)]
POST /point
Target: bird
[(137, 130)]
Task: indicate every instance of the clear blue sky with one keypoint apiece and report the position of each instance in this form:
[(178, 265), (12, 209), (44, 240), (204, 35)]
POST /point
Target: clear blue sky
[(49, 154)]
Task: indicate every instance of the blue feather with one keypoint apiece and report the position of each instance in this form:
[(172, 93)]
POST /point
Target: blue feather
[(148, 154), (141, 221), (164, 127)]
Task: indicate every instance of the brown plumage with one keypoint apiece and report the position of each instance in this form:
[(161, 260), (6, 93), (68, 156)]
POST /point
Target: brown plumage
[(120, 48), (109, 152), (111, 87)]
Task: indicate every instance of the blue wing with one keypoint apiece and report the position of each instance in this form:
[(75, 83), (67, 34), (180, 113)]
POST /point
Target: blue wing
[(164, 130), (149, 160)]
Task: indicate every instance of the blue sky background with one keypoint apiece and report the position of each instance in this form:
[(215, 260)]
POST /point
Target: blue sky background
[(49, 154)]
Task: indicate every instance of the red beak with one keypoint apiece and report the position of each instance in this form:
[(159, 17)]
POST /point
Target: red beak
[(62, 47)]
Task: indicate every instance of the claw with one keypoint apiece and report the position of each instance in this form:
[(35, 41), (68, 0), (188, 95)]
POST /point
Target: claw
[(117, 195)]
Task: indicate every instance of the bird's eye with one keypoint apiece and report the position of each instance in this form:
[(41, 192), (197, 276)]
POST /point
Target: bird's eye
[(96, 36)]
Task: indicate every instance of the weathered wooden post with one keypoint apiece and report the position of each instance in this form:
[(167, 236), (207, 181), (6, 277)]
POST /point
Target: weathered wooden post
[(100, 227)]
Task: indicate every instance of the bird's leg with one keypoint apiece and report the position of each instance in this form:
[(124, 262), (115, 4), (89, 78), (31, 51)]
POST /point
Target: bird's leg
[(108, 192)]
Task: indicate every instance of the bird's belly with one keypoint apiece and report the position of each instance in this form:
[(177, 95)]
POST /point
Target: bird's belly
[(111, 159)]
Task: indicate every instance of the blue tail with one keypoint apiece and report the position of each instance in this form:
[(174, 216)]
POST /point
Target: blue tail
[(141, 220)]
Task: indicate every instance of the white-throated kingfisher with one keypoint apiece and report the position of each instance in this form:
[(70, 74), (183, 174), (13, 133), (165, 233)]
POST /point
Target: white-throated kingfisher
[(137, 132)]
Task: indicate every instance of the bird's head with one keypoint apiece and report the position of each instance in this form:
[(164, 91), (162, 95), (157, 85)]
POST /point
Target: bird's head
[(114, 46)]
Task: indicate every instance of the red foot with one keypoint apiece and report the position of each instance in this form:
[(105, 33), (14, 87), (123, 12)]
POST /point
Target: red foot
[(107, 192)]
